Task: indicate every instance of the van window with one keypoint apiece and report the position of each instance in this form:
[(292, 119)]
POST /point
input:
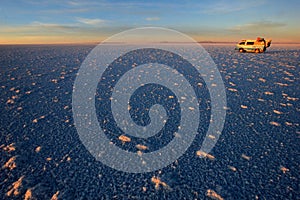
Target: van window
[(250, 43), (242, 43)]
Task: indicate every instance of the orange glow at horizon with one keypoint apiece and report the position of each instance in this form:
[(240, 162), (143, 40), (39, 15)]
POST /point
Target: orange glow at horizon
[(81, 39), (49, 39)]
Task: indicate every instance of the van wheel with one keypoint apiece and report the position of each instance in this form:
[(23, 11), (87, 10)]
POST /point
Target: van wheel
[(257, 51), (241, 50)]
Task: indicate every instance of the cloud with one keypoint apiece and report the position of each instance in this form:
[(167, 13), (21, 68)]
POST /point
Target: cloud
[(92, 22), (257, 26), (224, 7), (37, 28), (52, 25), (74, 3), (152, 18), (63, 11)]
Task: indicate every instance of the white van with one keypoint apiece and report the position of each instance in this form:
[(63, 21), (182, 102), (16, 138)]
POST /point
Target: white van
[(258, 46)]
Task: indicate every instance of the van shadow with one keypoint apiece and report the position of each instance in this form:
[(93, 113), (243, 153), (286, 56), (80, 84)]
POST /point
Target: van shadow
[(281, 51)]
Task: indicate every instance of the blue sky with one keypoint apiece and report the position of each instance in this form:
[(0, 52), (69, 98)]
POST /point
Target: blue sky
[(40, 21)]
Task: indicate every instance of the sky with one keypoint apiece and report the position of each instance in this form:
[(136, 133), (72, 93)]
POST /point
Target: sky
[(91, 21)]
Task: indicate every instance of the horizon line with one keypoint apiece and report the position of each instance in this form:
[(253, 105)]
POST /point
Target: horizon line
[(103, 42)]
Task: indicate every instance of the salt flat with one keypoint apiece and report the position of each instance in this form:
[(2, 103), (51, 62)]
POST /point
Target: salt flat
[(256, 156)]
